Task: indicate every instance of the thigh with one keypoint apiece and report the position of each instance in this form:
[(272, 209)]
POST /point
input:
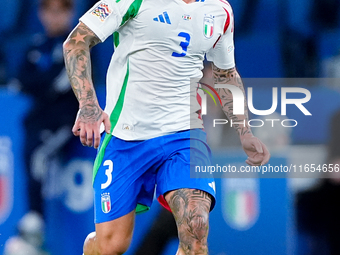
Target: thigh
[(114, 237), (122, 225)]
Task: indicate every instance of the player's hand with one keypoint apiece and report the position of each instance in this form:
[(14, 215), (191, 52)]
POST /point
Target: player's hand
[(257, 151), (87, 125)]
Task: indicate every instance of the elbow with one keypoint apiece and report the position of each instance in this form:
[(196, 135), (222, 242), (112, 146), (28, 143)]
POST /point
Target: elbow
[(66, 45)]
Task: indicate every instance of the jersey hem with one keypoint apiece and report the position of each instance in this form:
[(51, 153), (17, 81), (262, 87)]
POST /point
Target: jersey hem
[(148, 137)]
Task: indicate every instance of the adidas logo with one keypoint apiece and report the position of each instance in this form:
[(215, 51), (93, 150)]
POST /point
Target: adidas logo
[(164, 17), (212, 185)]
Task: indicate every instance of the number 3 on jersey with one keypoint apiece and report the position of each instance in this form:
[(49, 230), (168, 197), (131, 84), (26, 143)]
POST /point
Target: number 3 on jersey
[(183, 44)]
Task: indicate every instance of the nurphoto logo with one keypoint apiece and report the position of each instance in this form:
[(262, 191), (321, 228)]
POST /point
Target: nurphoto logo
[(239, 100)]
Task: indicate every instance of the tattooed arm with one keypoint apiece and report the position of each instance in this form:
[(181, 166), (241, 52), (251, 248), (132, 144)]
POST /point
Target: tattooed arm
[(257, 152), (78, 65), (232, 77)]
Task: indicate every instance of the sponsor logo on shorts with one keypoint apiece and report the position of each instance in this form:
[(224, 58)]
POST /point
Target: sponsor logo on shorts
[(102, 11), (213, 186), (106, 202)]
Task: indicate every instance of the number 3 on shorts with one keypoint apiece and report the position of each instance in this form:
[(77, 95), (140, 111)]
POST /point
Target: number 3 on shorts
[(108, 173)]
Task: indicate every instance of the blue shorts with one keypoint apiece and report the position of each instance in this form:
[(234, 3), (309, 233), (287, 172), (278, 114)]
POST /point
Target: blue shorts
[(126, 173)]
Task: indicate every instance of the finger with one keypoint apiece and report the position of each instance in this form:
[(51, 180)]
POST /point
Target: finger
[(250, 163), (107, 124), (82, 134), (89, 137), (96, 138), (254, 162), (258, 146), (266, 155), (76, 129)]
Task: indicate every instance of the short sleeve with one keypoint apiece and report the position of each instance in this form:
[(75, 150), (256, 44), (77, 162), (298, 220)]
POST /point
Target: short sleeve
[(106, 16), (222, 54)]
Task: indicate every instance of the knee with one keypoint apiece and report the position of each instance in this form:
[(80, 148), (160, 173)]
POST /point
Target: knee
[(113, 246), (109, 245), (89, 244), (199, 226), (191, 210)]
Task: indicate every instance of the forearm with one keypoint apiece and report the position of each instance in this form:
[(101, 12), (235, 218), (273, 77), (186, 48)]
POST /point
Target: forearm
[(231, 77), (78, 66)]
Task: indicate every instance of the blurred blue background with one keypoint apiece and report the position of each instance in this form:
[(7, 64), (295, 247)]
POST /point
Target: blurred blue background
[(273, 39)]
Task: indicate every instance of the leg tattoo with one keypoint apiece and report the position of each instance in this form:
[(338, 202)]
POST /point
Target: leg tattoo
[(191, 211)]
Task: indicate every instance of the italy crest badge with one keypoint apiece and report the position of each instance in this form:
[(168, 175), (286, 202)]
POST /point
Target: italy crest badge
[(208, 26), (106, 202)]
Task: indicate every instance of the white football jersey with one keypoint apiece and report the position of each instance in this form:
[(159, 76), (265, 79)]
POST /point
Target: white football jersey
[(159, 46)]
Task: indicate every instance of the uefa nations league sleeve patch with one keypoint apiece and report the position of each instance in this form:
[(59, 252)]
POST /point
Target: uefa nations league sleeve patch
[(102, 11)]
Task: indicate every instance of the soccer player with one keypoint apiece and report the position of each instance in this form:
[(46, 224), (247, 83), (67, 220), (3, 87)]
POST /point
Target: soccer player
[(154, 131)]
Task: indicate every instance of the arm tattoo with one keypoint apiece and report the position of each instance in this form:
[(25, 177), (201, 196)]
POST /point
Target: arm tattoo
[(191, 209), (232, 77), (78, 66), (89, 113)]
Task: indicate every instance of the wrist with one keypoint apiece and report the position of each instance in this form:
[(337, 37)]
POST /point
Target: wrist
[(93, 103), (246, 135)]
